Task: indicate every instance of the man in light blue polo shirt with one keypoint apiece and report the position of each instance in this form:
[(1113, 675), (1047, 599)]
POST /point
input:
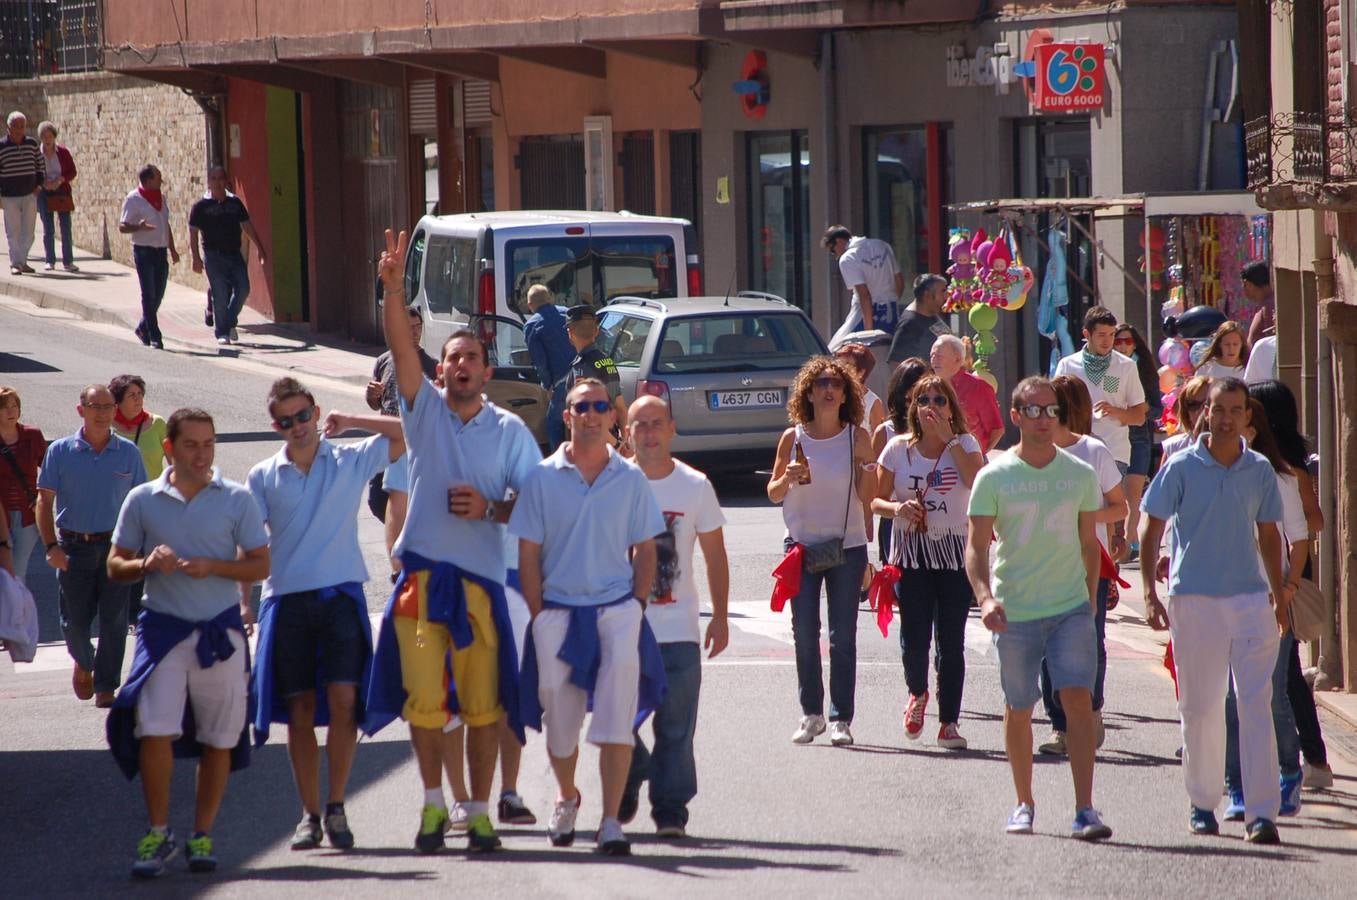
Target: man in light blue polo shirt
[(84, 479), (195, 538), (466, 455), (587, 522), (1223, 504), (315, 640)]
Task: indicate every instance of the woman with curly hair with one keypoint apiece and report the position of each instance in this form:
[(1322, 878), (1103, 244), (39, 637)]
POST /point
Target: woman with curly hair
[(1228, 353), (823, 473), (923, 486)]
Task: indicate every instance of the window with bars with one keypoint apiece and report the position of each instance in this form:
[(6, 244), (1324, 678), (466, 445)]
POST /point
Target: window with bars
[(46, 37)]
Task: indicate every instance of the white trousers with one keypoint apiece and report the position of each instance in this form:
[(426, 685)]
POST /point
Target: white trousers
[(1212, 636), (615, 692), (21, 216)]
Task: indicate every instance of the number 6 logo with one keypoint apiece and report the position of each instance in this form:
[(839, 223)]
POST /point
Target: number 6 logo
[(1066, 71)]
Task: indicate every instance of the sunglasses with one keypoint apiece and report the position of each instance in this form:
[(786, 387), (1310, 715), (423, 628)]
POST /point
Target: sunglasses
[(1033, 411), (825, 383), (300, 418), (1130, 342), (598, 406), (931, 400)]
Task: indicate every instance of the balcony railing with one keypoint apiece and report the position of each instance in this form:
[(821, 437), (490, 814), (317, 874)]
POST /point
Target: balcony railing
[(1300, 147), (47, 37)]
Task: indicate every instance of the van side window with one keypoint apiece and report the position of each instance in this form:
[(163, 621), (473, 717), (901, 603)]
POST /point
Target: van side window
[(414, 263), (450, 275)]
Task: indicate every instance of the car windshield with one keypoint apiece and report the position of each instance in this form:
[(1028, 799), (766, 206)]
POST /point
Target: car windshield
[(592, 271), (736, 342)]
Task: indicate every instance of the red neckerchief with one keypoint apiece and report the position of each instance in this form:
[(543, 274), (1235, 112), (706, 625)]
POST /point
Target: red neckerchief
[(155, 198), (130, 424)]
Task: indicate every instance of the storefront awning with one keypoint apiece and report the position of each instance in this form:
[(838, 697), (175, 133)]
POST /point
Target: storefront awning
[(741, 15), (1103, 207), (1210, 203)]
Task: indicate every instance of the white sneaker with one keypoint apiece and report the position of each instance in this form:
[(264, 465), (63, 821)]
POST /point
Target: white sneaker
[(839, 735), (1055, 746), (457, 817), (561, 828), (810, 726), (1316, 779), (223, 342), (235, 336), (49, 267), (612, 841)]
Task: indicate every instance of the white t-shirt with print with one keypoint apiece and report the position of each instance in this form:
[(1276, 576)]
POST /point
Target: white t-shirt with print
[(1216, 369), (689, 505), (1121, 387), (943, 544)]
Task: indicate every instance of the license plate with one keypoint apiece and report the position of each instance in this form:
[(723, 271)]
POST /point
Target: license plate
[(745, 399)]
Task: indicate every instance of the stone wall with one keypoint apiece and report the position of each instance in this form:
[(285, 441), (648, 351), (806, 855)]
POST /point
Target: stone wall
[(114, 125)]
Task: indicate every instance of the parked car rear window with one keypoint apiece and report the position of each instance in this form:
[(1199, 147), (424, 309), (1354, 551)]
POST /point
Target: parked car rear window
[(591, 270), (736, 342), (450, 275), (623, 337)]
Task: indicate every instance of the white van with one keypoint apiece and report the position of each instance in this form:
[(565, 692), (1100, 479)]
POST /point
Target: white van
[(474, 269)]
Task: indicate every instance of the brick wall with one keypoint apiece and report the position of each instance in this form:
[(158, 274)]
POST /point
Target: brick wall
[(114, 125)]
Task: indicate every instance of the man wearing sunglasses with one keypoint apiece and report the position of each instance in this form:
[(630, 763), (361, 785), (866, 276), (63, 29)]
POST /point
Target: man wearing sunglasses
[(586, 522), (82, 484), (1042, 503), (315, 641), (449, 606)]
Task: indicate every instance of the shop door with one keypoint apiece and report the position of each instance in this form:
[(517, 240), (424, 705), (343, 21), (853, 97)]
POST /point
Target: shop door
[(779, 214)]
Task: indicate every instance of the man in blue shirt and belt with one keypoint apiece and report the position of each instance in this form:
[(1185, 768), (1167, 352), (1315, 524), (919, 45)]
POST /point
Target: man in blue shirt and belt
[(1223, 504), (315, 640), (84, 479), (582, 513), (195, 538), (552, 353), (466, 455)]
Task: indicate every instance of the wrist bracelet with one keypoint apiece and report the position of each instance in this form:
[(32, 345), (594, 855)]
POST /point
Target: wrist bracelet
[(53, 544)]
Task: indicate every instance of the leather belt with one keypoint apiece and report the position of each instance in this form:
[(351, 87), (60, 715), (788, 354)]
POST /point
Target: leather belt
[(83, 537)]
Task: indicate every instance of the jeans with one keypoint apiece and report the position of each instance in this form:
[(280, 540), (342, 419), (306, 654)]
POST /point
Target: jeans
[(555, 417), (49, 235), (24, 539), (1051, 698), (843, 584), (84, 593), (230, 280), (1283, 722), (153, 271), (1302, 707), (21, 214), (935, 601), (671, 767)]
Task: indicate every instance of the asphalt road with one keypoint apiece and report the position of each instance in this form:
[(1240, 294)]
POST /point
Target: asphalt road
[(887, 818)]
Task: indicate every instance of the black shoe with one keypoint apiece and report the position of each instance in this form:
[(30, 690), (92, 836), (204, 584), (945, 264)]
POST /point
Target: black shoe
[(207, 315), (337, 827), (512, 810), (157, 345), (1203, 821), (1262, 831), (307, 835), (142, 335)]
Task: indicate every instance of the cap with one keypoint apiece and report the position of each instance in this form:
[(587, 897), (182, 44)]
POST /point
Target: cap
[(578, 313)]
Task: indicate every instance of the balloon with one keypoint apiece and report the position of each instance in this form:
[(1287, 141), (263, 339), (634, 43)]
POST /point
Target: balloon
[(1198, 352), (1166, 352), (1168, 380), (988, 377), (984, 318), (985, 344), (1182, 359), (982, 255)]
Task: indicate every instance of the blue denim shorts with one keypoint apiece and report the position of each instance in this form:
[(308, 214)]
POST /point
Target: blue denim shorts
[(1141, 451), (1068, 642)]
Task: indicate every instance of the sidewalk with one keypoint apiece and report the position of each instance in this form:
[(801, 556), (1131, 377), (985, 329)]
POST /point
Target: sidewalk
[(107, 292)]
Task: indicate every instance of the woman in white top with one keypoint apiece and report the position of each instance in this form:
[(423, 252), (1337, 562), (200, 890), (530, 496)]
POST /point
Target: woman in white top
[(822, 504), (1296, 544), (903, 379), (923, 486), (1072, 434), (1228, 353)]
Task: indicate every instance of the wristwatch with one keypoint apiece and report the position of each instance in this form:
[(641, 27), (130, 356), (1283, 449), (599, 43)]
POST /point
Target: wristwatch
[(491, 510)]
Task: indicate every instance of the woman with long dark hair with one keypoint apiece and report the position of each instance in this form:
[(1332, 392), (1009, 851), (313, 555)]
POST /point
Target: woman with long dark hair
[(823, 473), (902, 382), (924, 482), (1295, 448), (1128, 341)]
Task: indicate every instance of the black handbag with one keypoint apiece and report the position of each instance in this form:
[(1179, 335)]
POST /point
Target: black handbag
[(822, 556)]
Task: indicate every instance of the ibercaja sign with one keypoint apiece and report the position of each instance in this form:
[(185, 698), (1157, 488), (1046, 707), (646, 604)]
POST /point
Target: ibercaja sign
[(1069, 77)]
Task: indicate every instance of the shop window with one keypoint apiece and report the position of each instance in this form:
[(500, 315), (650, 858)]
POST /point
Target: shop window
[(685, 180), (904, 168), (779, 214), (637, 160), (551, 169)]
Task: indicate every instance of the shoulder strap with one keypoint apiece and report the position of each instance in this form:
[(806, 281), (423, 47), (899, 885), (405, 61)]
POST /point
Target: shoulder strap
[(13, 461), (848, 507)]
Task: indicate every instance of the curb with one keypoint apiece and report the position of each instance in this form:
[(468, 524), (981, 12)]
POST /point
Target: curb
[(1346, 711), (102, 315)]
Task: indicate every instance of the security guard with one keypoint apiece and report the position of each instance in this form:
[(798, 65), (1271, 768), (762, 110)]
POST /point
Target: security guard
[(590, 361)]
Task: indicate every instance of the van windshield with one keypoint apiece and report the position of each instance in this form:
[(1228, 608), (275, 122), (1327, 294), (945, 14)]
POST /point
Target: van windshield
[(592, 271), (747, 342)]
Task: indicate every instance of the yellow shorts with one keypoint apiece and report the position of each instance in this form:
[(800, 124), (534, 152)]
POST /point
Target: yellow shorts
[(424, 648)]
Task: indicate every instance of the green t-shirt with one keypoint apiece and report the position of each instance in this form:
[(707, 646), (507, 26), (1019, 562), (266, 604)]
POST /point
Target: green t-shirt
[(1038, 568)]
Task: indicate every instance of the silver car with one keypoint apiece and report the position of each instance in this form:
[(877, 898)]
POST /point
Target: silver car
[(724, 364)]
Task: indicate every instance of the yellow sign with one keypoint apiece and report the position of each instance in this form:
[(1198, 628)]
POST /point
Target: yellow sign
[(723, 190)]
